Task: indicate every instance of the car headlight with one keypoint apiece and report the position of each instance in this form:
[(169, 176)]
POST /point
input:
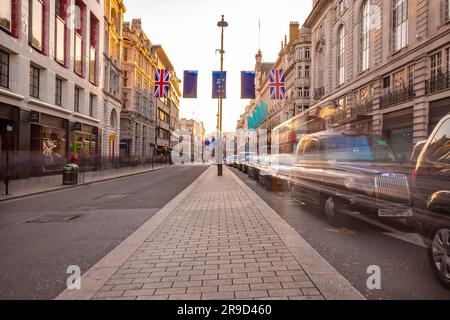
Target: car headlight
[(355, 184)]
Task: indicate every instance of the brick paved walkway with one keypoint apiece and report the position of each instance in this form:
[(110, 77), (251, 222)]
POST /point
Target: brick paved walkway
[(215, 243)]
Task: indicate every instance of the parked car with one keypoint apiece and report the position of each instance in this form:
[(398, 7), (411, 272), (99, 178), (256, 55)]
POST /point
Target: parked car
[(431, 199), (243, 159), (254, 166), (349, 173), (275, 172)]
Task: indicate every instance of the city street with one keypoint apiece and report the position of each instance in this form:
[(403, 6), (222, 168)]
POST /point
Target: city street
[(84, 224), (405, 273)]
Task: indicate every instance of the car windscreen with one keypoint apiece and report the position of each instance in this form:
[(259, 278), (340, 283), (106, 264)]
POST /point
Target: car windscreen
[(357, 148)]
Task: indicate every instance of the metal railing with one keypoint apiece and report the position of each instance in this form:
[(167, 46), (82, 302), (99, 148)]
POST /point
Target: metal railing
[(397, 96), (361, 108), (438, 83)]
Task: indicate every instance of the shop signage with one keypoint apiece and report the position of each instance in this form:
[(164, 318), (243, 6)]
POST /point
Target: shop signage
[(35, 116), (77, 126)]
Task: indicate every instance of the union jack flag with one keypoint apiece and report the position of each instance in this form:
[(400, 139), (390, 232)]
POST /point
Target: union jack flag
[(162, 83), (277, 85)]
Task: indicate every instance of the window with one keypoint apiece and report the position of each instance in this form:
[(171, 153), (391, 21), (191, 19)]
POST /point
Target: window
[(365, 36), (60, 30), (125, 79), (299, 74), (300, 92), (400, 24), (92, 103), (387, 83), (307, 74), (36, 24), (436, 64), (92, 60), (77, 100), (125, 54), (438, 149), (34, 82), (399, 80), (447, 10), (410, 77), (93, 49), (341, 56), (4, 69), (306, 92), (6, 15), (307, 54), (58, 92), (78, 55)]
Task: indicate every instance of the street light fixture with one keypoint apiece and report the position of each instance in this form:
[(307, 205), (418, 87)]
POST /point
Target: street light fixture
[(222, 24)]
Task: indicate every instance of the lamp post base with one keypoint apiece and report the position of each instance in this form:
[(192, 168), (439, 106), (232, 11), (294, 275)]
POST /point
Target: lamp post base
[(219, 170)]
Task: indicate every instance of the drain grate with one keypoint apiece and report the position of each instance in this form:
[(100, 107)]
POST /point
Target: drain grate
[(53, 218)]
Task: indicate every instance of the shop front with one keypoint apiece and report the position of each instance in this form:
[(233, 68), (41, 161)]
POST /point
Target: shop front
[(398, 129), (48, 143), (85, 146), (9, 137), (438, 109)]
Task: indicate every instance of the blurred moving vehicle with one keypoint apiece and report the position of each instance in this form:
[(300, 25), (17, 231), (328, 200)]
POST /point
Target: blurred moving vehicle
[(231, 160), (275, 172), (349, 173), (243, 159), (254, 166), (431, 199), (416, 153)]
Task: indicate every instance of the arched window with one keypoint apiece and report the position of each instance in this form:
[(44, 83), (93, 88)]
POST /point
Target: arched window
[(341, 56), (364, 36), (400, 24)]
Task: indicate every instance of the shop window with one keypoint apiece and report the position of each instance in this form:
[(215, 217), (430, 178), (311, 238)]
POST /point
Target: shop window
[(34, 81), (4, 69), (54, 144)]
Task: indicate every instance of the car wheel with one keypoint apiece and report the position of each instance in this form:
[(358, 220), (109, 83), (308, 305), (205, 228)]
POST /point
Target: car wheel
[(332, 208), (439, 255)]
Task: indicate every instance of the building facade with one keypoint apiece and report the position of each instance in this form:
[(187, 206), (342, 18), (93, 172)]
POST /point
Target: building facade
[(138, 116), (195, 130), (112, 78), (50, 84), (381, 66), (167, 109)]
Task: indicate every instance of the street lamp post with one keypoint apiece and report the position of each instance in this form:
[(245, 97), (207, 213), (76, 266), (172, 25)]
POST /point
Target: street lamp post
[(221, 24)]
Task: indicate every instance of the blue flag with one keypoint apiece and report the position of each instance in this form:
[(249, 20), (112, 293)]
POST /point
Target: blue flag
[(190, 84), (247, 85), (216, 84)]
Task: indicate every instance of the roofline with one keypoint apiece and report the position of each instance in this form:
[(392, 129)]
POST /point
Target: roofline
[(314, 13)]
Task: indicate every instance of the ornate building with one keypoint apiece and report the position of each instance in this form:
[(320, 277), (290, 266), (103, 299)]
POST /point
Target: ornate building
[(112, 78), (138, 116), (381, 66), (167, 109)]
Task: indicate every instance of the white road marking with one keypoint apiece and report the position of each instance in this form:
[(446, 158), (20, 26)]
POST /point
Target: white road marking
[(412, 238)]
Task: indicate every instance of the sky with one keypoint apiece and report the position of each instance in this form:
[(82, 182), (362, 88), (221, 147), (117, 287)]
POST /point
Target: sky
[(187, 29)]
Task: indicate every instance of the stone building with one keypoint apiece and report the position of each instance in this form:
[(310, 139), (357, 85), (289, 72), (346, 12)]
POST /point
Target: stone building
[(50, 84), (112, 79), (138, 116), (167, 109), (381, 66)]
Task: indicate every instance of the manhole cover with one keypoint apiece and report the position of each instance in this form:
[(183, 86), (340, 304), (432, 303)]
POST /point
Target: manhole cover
[(52, 218)]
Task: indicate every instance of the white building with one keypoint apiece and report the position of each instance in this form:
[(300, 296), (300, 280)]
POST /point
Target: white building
[(50, 90)]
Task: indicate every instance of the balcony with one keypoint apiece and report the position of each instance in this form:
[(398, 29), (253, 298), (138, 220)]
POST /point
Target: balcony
[(319, 93), (438, 83), (397, 96), (361, 108)]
